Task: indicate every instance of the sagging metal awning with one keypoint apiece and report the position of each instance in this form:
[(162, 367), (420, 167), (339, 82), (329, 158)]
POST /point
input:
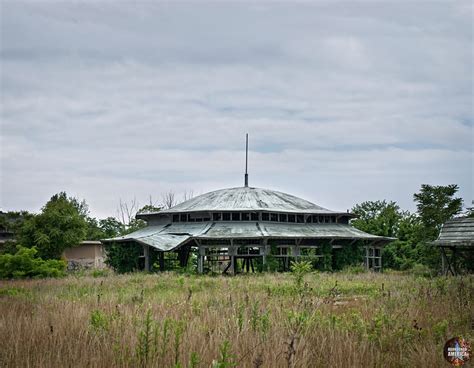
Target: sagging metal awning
[(171, 236)]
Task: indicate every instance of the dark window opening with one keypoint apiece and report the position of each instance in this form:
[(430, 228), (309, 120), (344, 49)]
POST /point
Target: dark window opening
[(291, 218), (344, 220), (299, 218), (183, 218), (315, 219), (274, 217), (235, 216), (175, 218), (226, 216), (216, 216), (308, 219), (205, 219), (265, 216), (245, 216), (326, 219), (254, 216), (283, 217), (321, 219)]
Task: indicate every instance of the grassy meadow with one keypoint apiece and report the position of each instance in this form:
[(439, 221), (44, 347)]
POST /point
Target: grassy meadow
[(263, 320)]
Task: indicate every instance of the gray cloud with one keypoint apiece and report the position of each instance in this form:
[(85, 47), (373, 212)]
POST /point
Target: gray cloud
[(343, 102)]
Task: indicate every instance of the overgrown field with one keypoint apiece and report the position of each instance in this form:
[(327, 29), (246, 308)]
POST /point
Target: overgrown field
[(265, 320)]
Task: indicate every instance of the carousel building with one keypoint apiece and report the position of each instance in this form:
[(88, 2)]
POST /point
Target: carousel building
[(235, 229), (232, 228)]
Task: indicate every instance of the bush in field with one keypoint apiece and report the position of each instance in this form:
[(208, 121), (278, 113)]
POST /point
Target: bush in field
[(300, 269), (25, 263), (421, 270)]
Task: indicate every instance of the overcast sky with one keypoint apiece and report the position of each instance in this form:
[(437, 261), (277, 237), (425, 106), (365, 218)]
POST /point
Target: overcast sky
[(343, 101)]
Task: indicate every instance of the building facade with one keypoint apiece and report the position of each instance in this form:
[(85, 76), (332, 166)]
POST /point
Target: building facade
[(234, 229)]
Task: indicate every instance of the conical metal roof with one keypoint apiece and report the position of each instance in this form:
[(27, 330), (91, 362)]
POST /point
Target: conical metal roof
[(247, 199)]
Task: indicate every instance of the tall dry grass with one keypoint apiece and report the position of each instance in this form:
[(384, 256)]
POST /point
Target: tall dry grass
[(169, 320)]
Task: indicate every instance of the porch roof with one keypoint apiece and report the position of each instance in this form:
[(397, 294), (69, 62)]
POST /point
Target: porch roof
[(171, 236)]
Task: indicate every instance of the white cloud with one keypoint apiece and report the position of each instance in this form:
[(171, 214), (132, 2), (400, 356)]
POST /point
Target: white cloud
[(342, 103)]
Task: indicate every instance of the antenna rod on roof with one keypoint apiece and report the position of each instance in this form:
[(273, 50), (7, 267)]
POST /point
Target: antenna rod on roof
[(246, 159)]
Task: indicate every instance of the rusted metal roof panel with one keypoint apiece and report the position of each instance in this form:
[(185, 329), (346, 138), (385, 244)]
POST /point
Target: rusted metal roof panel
[(247, 199)]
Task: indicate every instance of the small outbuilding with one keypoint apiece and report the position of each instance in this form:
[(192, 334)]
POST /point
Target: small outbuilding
[(456, 236), (88, 254)]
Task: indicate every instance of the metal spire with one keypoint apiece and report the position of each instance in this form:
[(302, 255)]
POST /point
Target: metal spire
[(246, 159)]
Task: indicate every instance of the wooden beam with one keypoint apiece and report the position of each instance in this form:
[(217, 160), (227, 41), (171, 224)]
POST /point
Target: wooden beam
[(146, 253)]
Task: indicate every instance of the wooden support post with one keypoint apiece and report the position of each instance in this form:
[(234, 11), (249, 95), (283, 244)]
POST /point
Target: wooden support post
[(146, 253), (232, 251), (232, 264), (264, 251), (161, 260), (367, 257), (201, 252), (454, 259), (444, 269), (186, 260), (381, 265)]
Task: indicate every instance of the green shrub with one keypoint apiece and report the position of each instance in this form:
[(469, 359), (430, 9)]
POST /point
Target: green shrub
[(98, 320), (354, 270), (421, 270), (25, 264), (100, 273), (226, 358), (299, 269)]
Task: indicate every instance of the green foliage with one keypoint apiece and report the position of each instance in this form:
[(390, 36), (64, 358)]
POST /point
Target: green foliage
[(354, 270), (259, 320), (300, 269), (60, 225), (226, 358), (421, 270), (387, 219), (111, 227), (12, 221), (325, 262), (179, 328), (435, 205), (25, 264), (378, 218), (93, 231), (149, 208), (100, 273), (125, 257), (98, 320), (194, 361), (348, 256), (144, 340)]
